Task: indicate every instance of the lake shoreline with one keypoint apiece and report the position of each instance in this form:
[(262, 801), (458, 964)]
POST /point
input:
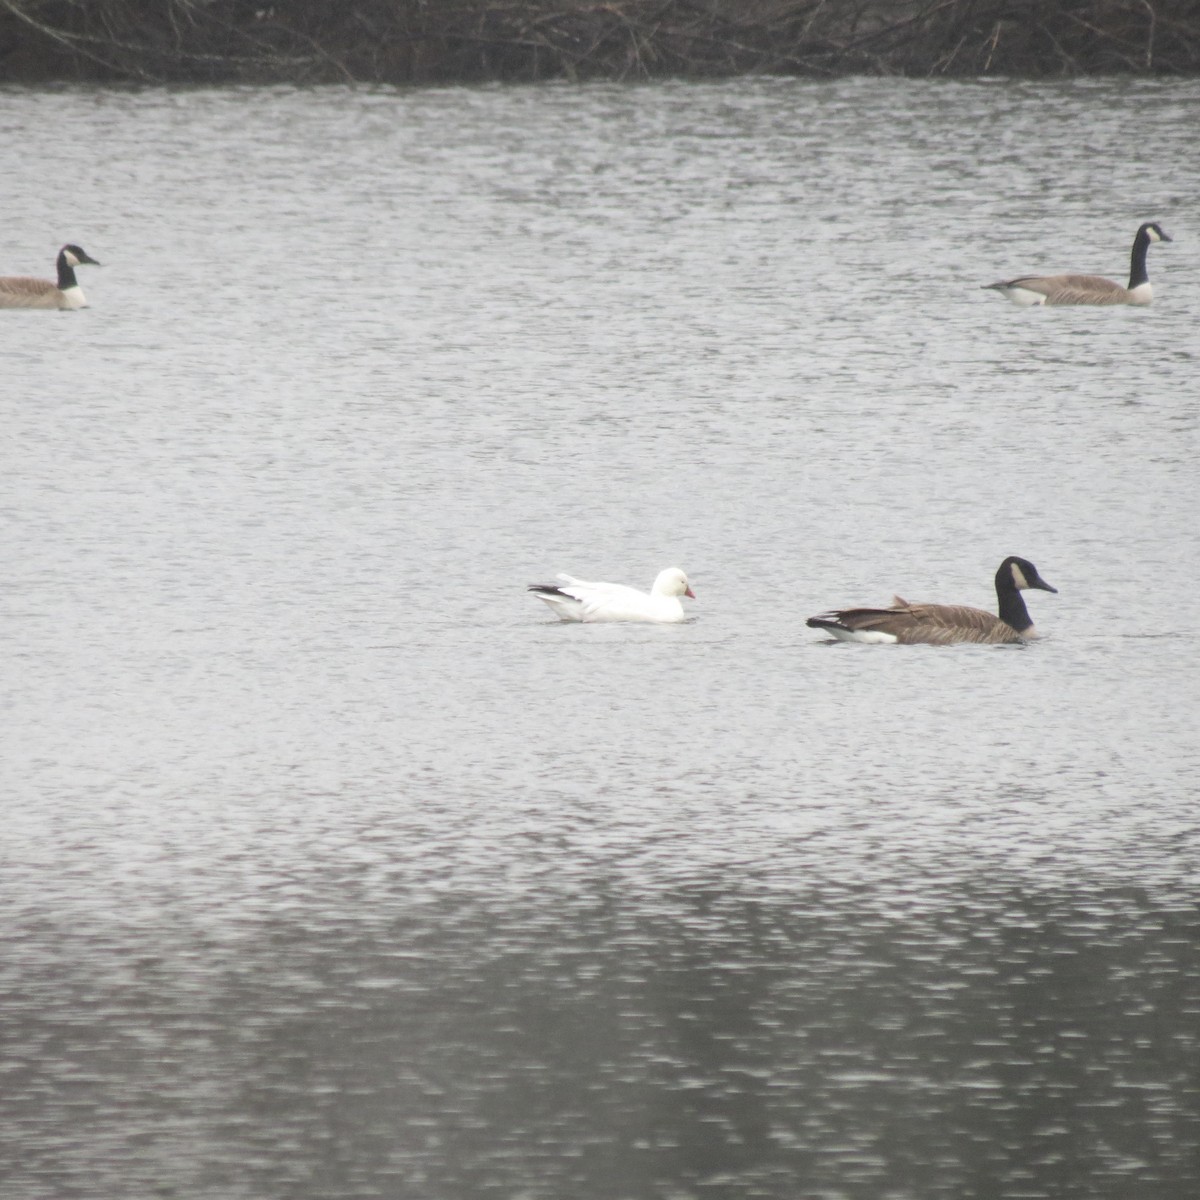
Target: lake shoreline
[(474, 41)]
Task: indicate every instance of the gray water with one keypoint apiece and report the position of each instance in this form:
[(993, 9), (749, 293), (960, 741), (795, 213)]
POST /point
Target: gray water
[(331, 866)]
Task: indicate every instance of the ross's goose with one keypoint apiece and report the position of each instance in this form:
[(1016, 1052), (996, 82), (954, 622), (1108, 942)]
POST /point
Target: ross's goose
[(578, 600)]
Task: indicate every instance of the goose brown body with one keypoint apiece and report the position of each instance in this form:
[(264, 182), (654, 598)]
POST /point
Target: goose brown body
[(1073, 289), (26, 291), (1036, 290), (944, 624), (925, 624)]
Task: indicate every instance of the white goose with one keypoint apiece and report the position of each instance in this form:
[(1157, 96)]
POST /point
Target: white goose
[(577, 600)]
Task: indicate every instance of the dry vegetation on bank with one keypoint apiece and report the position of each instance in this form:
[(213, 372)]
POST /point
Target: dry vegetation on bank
[(422, 41)]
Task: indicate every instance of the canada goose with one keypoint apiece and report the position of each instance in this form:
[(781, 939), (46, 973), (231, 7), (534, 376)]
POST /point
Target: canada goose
[(1089, 289), (944, 624), (21, 291), (577, 600)]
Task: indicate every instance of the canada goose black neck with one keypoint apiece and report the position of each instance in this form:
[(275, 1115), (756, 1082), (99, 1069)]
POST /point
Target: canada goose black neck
[(70, 257), (1137, 261), (66, 271), (1013, 575), (1012, 604), (1150, 232)]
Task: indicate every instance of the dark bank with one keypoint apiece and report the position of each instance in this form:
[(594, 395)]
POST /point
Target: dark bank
[(442, 41)]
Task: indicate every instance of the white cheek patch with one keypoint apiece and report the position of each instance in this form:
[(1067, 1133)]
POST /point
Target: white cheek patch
[(1019, 577), (1153, 234), (71, 258)]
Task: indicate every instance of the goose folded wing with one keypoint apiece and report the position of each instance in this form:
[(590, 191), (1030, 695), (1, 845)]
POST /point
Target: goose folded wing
[(25, 288), (951, 623)]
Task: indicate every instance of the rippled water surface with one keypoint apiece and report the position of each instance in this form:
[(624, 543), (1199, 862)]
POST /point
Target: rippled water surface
[(334, 867)]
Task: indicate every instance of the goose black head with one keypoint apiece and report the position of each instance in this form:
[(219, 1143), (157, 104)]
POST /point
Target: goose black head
[(77, 255), (1023, 574)]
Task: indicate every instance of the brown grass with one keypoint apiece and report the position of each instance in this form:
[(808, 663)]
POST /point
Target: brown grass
[(415, 41)]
